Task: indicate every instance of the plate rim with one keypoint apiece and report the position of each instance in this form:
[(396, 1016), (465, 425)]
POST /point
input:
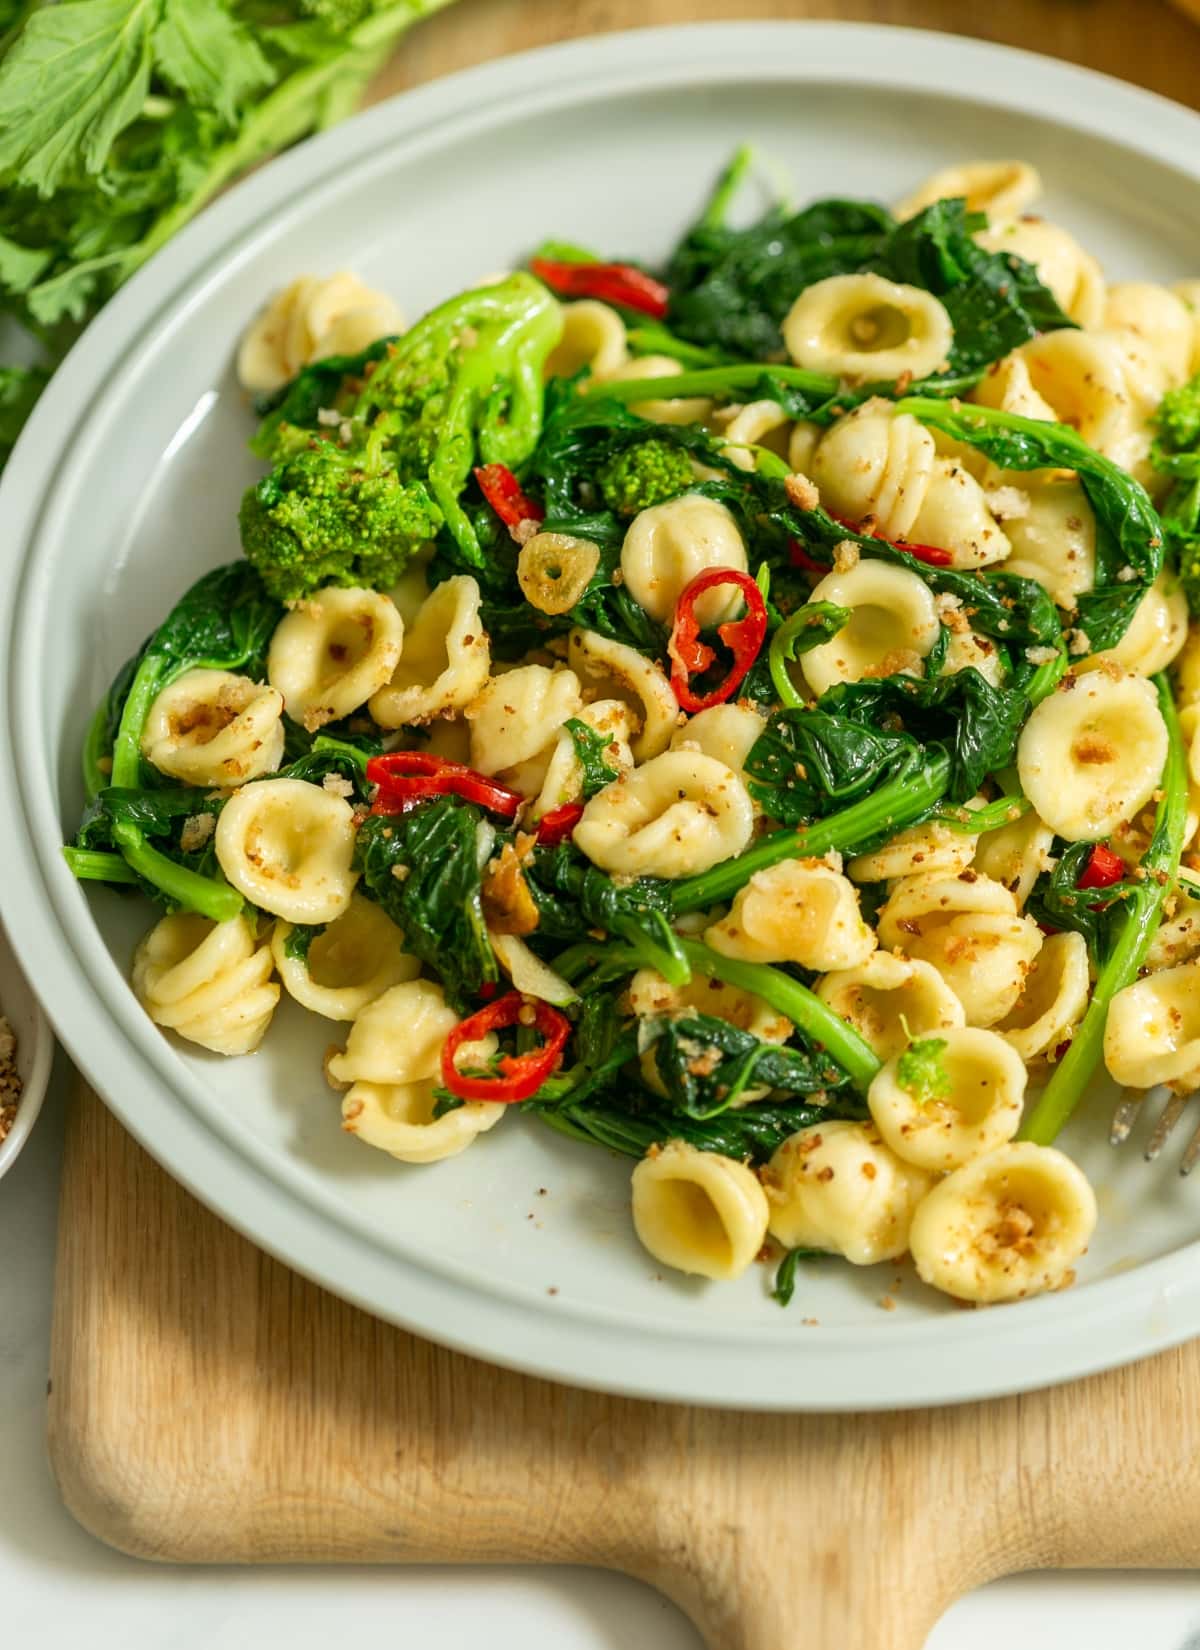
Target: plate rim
[(1156, 1305)]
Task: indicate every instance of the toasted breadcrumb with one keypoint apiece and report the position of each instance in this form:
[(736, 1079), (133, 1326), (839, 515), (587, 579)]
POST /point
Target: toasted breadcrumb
[(10, 1082), (337, 785)]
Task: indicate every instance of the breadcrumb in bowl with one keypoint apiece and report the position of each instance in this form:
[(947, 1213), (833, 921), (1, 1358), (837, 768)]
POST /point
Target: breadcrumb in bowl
[(25, 1057)]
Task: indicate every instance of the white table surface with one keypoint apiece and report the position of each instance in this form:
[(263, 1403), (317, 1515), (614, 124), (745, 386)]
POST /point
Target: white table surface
[(56, 1582)]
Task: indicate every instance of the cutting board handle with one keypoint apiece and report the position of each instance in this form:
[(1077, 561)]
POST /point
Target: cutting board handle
[(207, 1405)]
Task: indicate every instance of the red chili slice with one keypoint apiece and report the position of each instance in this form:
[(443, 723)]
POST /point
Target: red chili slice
[(1103, 869), (503, 492), (408, 777), (620, 284), (799, 557), (931, 554), (556, 825), (743, 637), (517, 1076)]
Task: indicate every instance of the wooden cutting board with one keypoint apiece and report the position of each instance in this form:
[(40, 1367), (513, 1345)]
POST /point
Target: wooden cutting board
[(208, 1405)]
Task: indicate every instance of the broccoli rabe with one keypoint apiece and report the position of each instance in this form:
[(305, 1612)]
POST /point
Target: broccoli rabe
[(1176, 452), (921, 1072), (373, 463), (321, 518), (1178, 418), (647, 473)]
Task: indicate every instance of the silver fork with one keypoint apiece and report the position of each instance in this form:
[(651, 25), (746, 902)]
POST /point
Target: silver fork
[(1129, 1109)]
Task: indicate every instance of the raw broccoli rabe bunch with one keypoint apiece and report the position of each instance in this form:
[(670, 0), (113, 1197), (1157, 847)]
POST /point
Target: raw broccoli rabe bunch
[(646, 473), (371, 464), (1176, 452)]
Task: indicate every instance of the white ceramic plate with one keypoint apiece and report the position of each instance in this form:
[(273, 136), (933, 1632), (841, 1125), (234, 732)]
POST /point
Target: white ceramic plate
[(125, 488)]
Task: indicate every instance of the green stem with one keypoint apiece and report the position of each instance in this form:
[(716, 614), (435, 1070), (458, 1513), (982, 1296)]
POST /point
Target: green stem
[(727, 186), (207, 897), (1143, 912), (811, 625), (95, 751), (801, 1006), (889, 809), (993, 816), (655, 339), (92, 865), (713, 381)]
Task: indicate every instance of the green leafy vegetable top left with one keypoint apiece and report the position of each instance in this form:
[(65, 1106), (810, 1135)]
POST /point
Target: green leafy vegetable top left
[(119, 119)]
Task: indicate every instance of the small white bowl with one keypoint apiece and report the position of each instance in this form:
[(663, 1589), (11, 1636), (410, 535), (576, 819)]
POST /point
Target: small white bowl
[(35, 1051)]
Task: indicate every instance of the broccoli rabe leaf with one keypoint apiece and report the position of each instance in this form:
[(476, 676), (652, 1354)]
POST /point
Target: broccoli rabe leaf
[(590, 748), (300, 938), (706, 1065), (423, 869), (809, 763), (921, 1071), (1176, 452), (625, 1119), (785, 1273), (732, 288)]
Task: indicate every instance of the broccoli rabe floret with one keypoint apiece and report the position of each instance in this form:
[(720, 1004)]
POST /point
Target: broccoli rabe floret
[(647, 473), (1178, 417), (320, 518), (372, 459), (920, 1071)]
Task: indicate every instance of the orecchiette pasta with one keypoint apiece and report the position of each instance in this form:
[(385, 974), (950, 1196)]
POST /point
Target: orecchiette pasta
[(1054, 540), (1178, 938), (967, 927), (875, 463), (593, 336), (358, 957), (863, 326), (1153, 1030), (555, 569), (563, 777), (332, 652), (1155, 636), (397, 1037), (698, 1211), (1004, 1226), (288, 846), (678, 814), (728, 732), (1001, 188), (338, 315), (210, 982), (836, 1186), (1053, 997), (757, 424), (518, 715), (893, 625), (681, 409), (802, 444), (1015, 855), (1188, 292), (980, 1110), (1159, 317), (1073, 275), (1092, 754), (891, 1000), (444, 661), (798, 911), (1187, 669), (1101, 383), (211, 728), (666, 546), (611, 669), (933, 846), (652, 997), (1007, 385), (398, 1118)]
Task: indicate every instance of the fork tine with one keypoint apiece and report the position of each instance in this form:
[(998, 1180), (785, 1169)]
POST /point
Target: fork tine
[(1192, 1155), (1171, 1113), (1125, 1116)]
